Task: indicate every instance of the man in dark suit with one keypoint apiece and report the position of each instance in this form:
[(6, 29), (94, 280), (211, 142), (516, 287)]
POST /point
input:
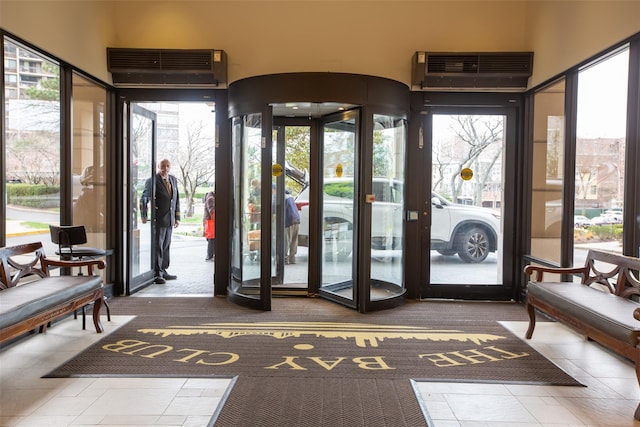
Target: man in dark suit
[(167, 217)]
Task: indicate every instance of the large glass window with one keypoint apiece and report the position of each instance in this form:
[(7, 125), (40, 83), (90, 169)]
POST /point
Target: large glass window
[(32, 135), (89, 159), (600, 155), (547, 175)]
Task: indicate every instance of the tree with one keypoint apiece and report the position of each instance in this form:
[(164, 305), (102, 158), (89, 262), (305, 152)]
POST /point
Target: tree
[(476, 144), (298, 147), (197, 166), (33, 144)]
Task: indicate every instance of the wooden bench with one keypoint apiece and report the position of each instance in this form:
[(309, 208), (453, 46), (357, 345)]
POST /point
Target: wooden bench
[(30, 298), (603, 306)]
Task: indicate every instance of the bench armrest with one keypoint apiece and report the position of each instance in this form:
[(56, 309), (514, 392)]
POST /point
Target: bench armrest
[(540, 270), (89, 263)]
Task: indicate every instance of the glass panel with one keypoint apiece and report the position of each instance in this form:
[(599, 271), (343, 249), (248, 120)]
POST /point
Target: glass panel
[(142, 170), (89, 159), (600, 156), (338, 206), (277, 213), (467, 199), (547, 176), (297, 147), (247, 158), (387, 213), (32, 138)]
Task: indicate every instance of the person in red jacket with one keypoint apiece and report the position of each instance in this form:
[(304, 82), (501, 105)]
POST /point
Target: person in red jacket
[(209, 223)]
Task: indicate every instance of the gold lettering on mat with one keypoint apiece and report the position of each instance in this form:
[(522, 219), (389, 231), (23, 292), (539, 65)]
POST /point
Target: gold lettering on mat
[(365, 335), (472, 356)]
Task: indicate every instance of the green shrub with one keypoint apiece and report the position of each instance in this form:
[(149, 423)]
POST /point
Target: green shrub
[(33, 196), (607, 231), (22, 190)]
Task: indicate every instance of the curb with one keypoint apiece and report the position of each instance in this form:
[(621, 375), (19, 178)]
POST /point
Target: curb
[(27, 233)]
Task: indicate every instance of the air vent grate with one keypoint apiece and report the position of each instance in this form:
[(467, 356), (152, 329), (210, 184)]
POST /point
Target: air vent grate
[(479, 64), (167, 67), (187, 60), (471, 70), (452, 64), (133, 59)]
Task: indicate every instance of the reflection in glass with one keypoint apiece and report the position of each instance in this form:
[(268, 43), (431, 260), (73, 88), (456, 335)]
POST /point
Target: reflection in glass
[(141, 151), (547, 176), (387, 211), (338, 206), (465, 213), (32, 144), (600, 155), (247, 157), (88, 159)]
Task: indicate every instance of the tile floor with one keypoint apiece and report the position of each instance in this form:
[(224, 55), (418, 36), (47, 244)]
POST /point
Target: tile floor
[(26, 399)]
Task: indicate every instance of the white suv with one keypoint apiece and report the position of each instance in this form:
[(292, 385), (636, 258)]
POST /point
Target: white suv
[(470, 231)]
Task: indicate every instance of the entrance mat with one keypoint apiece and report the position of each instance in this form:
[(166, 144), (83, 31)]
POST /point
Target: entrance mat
[(315, 402), (202, 347)]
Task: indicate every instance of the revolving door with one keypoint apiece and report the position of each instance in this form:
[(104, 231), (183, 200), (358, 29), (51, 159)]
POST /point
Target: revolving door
[(338, 169)]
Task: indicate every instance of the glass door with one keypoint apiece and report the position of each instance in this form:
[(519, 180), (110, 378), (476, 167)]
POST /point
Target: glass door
[(253, 211), (291, 154), (142, 136), (337, 220), (467, 200)]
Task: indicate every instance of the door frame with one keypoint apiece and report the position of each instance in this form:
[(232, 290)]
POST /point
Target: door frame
[(507, 105)]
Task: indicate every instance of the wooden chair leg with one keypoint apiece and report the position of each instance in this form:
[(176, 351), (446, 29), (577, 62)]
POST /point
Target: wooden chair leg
[(96, 314), (532, 320)]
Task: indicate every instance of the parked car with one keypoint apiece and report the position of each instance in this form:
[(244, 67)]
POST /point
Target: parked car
[(580, 221), (471, 232), (604, 220)]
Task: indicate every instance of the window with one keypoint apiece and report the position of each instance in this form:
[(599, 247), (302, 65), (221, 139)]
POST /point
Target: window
[(32, 136), (600, 153)]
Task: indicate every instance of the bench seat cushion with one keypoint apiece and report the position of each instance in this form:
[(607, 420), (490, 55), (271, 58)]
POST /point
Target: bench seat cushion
[(605, 312), (24, 301)]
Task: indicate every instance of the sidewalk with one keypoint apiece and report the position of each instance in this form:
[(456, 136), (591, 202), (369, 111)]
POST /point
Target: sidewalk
[(16, 229)]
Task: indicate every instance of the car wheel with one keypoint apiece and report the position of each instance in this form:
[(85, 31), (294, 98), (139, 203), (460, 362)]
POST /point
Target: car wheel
[(474, 245), (446, 252)]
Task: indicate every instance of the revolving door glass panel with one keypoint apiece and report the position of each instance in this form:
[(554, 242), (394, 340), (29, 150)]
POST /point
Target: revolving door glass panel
[(387, 207), (339, 208), (246, 246)]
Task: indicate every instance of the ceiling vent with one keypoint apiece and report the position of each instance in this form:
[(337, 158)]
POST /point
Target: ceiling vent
[(498, 71), (203, 68)]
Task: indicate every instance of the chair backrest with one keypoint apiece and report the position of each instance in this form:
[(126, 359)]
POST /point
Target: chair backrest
[(65, 236), (27, 262)]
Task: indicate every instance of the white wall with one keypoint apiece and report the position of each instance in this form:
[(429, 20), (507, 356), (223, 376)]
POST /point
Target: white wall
[(353, 36)]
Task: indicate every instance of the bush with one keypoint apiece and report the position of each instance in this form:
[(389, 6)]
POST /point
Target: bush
[(607, 231), (33, 196)]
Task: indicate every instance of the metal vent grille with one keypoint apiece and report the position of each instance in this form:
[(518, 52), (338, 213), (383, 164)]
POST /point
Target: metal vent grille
[(153, 60), (167, 67), (480, 64), (471, 70), (187, 60)]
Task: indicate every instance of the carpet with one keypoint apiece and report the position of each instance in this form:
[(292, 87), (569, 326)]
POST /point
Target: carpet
[(213, 346)]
